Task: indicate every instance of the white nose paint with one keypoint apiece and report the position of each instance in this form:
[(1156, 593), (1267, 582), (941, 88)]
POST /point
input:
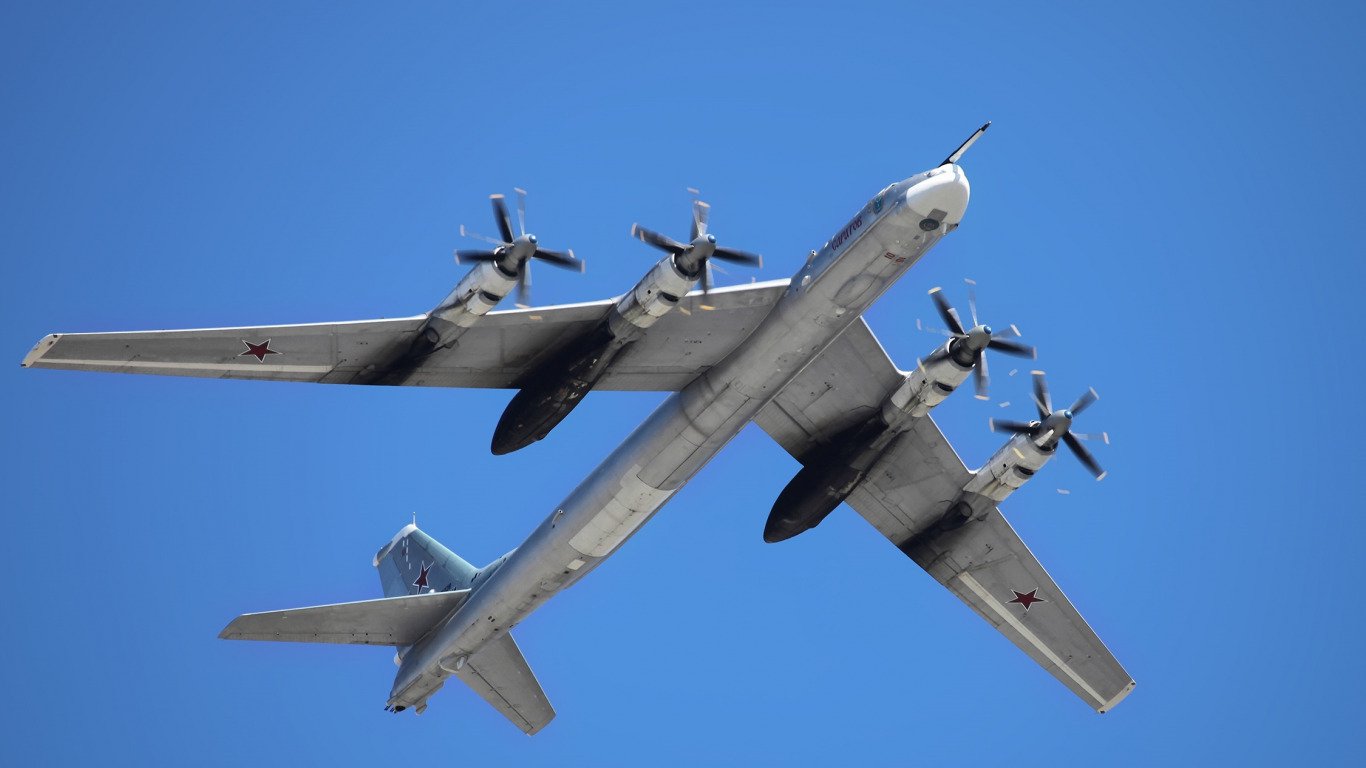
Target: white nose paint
[(947, 191)]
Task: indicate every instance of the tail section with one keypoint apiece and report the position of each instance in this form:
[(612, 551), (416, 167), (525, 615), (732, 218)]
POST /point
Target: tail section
[(414, 563), (424, 583)]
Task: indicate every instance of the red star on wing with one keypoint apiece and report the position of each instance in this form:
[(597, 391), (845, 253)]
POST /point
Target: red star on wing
[(421, 582), (258, 351), (1027, 598)]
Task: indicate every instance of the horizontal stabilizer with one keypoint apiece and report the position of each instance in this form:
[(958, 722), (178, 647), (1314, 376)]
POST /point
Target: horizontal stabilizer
[(500, 675), (395, 621)]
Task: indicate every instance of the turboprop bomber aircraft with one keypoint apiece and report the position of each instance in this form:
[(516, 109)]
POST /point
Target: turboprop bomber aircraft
[(795, 356)]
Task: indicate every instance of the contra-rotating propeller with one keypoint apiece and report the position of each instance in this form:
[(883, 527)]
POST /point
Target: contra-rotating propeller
[(1054, 425), (513, 253), (694, 257), (968, 345)]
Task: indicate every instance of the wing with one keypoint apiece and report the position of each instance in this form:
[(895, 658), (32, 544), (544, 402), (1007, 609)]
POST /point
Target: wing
[(495, 352), (984, 562), (500, 675), (386, 621)]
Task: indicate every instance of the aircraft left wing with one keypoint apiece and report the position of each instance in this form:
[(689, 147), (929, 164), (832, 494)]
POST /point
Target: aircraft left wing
[(984, 563), (394, 621), (494, 352)]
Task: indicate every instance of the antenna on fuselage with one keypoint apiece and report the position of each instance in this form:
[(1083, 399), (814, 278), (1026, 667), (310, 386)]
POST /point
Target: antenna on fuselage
[(963, 148)]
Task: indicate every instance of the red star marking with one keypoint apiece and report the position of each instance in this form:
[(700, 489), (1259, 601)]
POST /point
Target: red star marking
[(1027, 598), (258, 351), (421, 582)]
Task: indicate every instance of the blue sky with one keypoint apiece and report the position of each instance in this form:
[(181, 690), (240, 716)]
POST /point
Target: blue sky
[(1167, 205)]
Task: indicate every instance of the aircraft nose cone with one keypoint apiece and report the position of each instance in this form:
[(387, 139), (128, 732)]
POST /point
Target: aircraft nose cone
[(942, 197)]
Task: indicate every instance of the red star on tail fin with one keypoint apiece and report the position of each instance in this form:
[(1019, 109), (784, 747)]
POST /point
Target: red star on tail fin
[(421, 582)]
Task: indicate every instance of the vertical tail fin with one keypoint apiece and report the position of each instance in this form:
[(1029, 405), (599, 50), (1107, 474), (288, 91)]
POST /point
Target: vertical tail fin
[(414, 563)]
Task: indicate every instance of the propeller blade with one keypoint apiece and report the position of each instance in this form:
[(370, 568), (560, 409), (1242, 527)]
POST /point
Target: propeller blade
[(700, 212), (524, 286), (947, 313), (500, 214), (972, 300), (1083, 455), (1010, 332), (466, 232), (738, 257), (1104, 437), (706, 286), (521, 209), (980, 377), (462, 256), (651, 237), (932, 329), (559, 259), (1084, 402), (1012, 348), (963, 148), (1014, 427), (1041, 397)]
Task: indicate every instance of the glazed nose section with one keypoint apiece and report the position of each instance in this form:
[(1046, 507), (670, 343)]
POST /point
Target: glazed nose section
[(941, 199)]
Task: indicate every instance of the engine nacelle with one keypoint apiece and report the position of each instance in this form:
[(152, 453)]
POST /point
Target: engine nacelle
[(1010, 468), (924, 388), (652, 298), (473, 297), (828, 479)]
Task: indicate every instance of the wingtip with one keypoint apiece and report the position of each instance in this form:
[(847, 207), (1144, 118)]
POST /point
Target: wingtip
[(39, 350), (1123, 694)]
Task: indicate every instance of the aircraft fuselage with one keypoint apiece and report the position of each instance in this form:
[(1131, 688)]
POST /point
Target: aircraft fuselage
[(889, 234)]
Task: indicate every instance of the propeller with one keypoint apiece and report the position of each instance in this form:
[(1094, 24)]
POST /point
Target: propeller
[(968, 345), (513, 253), (1057, 425), (694, 257)]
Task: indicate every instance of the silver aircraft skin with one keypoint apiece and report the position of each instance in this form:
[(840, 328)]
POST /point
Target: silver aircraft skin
[(830, 291), (794, 356)]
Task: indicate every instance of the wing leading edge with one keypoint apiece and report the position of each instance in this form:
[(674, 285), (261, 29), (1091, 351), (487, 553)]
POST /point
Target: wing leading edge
[(494, 353), (984, 563)]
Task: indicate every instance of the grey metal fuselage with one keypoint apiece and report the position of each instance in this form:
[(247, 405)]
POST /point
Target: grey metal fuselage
[(887, 236)]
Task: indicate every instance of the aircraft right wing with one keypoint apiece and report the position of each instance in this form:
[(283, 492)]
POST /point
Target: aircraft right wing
[(500, 675), (984, 562), (494, 352)]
